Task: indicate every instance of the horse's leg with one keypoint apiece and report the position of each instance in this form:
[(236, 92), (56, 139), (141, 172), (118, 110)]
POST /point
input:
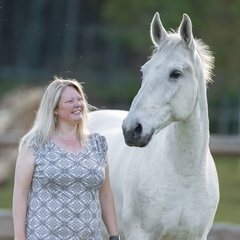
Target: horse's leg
[(134, 231), (204, 237), (133, 226)]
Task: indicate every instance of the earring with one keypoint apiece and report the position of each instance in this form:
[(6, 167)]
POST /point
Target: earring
[(55, 118)]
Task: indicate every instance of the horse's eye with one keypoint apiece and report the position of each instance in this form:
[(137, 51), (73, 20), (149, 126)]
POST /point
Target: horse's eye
[(175, 74)]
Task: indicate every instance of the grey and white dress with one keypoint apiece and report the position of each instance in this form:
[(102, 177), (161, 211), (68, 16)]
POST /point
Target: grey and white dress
[(64, 196)]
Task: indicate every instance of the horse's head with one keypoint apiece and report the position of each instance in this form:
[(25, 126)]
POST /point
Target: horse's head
[(170, 82)]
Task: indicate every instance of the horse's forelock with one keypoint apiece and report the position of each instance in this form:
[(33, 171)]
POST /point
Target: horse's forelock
[(202, 49), (167, 44)]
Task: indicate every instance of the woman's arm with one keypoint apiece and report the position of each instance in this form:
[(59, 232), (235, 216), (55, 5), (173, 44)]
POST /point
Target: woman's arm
[(23, 178), (108, 206)]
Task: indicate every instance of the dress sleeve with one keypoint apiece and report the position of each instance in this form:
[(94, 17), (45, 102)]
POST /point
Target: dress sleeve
[(102, 148), (104, 144), (31, 145)]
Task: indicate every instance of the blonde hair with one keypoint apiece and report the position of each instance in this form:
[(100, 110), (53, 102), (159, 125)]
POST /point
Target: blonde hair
[(44, 124)]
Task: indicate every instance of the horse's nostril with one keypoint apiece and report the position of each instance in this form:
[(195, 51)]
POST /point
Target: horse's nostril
[(138, 130)]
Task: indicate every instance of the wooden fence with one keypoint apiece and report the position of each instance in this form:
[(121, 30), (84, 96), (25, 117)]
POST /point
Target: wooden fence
[(228, 145), (6, 225)]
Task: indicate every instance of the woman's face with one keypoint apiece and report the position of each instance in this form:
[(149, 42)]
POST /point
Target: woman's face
[(70, 106)]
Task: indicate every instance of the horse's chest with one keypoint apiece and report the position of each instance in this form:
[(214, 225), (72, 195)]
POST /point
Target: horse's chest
[(183, 221), (176, 211), (176, 219)]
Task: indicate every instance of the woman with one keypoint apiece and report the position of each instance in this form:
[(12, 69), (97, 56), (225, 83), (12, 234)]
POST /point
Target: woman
[(62, 188)]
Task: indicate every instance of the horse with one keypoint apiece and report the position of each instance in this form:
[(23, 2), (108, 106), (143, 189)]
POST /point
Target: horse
[(162, 173)]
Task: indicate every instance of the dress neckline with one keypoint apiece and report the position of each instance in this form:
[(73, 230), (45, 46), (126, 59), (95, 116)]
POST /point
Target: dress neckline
[(69, 153)]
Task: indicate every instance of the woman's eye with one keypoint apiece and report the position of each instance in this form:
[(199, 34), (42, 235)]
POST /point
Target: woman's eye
[(175, 74)]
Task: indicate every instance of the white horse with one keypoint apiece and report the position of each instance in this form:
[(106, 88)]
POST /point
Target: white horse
[(166, 185)]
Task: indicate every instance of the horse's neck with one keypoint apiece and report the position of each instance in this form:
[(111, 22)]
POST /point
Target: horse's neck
[(188, 140)]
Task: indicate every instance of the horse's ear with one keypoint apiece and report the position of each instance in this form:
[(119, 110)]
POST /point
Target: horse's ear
[(157, 31), (185, 30)]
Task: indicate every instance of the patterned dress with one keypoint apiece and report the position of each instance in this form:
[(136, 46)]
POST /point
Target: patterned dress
[(64, 196)]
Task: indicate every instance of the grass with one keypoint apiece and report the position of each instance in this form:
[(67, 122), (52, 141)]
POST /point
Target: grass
[(6, 194), (229, 179)]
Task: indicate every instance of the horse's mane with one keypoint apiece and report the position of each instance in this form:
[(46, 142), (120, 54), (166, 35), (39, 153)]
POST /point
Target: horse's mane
[(202, 49), (207, 59)]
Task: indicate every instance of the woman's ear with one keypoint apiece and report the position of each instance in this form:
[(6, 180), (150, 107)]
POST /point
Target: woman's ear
[(55, 111)]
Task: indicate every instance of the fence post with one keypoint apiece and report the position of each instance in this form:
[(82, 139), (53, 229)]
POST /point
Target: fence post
[(239, 116), (6, 225)]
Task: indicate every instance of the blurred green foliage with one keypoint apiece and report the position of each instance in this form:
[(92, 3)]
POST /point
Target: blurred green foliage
[(104, 43), (216, 22)]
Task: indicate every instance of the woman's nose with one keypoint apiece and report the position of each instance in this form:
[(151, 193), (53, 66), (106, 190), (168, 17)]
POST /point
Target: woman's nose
[(77, 103)]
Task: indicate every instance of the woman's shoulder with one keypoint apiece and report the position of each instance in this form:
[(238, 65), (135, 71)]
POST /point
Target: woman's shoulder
[(100, 139), (97, 136), (29, 140), (32, 141)]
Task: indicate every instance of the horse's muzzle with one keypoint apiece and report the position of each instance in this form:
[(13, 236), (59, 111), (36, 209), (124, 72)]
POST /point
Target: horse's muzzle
[(135, 137)]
